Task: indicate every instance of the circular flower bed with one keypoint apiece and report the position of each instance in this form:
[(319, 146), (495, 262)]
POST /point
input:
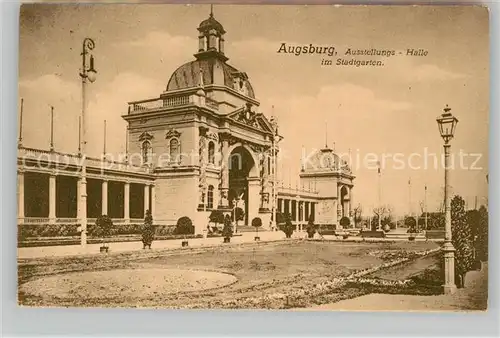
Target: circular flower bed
[(126, 283)]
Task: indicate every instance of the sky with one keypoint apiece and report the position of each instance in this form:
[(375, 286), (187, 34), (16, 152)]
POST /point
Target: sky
[(362, 110)]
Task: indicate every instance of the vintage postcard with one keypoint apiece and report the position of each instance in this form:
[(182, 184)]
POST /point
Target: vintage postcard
[(253, 157)]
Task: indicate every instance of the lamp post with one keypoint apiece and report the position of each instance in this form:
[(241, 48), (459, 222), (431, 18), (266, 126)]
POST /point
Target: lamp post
[(88, 73), (447, 124), (235, 206)]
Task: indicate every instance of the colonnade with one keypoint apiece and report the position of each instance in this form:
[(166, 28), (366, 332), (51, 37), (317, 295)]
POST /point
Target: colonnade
[(55, 197), (300, 210)]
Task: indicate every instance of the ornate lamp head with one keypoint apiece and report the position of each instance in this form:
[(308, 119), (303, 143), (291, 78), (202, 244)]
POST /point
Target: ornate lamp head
[(447, 124)]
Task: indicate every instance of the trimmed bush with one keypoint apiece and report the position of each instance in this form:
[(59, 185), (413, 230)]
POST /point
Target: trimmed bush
[(184, 226), (280, 218), (216, 216), (239, 214), (148, 231), (227, 231), (345, 222), (411, 224), (165, 230), (288, 227), (102, 228), (482, 235), (311, 228), (25, 232), (257, 223), (462, 240)]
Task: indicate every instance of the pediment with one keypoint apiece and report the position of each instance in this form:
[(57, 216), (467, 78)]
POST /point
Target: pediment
[(145, 136), (172, 133), (245, 115)]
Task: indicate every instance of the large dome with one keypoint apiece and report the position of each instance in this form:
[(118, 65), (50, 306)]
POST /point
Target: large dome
[(214, 72)]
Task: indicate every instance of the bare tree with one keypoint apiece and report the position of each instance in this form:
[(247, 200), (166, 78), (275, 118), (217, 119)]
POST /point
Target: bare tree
[(385, 213), (358, 210)]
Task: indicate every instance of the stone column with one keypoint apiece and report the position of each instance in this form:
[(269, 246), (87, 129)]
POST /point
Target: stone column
[(126, 203), (212, 39), (153, 201), (265, 183), (20, 195), (221, 44), (253, 198), (225, 174), (202, 162), (52, 198), (201, 42), (339, 202), (297, 211), (104, 197), (351, 204), (146, 198)]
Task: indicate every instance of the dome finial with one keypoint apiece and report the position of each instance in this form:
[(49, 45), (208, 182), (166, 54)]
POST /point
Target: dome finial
[(211, 10), (326, 134)]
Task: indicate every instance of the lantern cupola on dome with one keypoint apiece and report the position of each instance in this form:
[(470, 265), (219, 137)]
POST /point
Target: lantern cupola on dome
[(211, 38)]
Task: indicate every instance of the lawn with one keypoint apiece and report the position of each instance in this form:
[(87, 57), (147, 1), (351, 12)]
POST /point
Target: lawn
[(233, 276)]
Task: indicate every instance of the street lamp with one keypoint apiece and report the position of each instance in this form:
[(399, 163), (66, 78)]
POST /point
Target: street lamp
[(235, 206), (87, 74), (447, 124)]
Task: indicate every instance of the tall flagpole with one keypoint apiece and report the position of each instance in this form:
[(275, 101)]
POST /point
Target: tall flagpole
[(326, 134), (51, 128), (425, 206), (104, 143), (379, 197), (20, 141), (79, 135), (409, 197)]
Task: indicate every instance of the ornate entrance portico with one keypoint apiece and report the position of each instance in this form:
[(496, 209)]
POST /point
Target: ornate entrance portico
[(243, 174)]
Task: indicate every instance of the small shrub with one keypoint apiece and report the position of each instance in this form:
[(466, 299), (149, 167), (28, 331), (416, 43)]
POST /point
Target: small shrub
[(280, 219), (411, 224), (239, 214), (482, 235), (216, 216), (165, 230), (227, 231), (25, 232), (311, 228), (184, 226), (287, 228), (148, 231), (102, 228), (462, 240)]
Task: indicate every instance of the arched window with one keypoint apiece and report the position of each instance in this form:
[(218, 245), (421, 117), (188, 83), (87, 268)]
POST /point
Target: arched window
[(174, 150), (146, 152), (210, 197), (211, 152)]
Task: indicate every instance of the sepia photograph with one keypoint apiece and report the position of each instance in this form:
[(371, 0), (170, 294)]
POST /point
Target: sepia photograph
[(269, 157)]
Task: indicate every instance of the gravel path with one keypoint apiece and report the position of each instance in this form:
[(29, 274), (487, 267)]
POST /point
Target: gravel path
[(473, 297)]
